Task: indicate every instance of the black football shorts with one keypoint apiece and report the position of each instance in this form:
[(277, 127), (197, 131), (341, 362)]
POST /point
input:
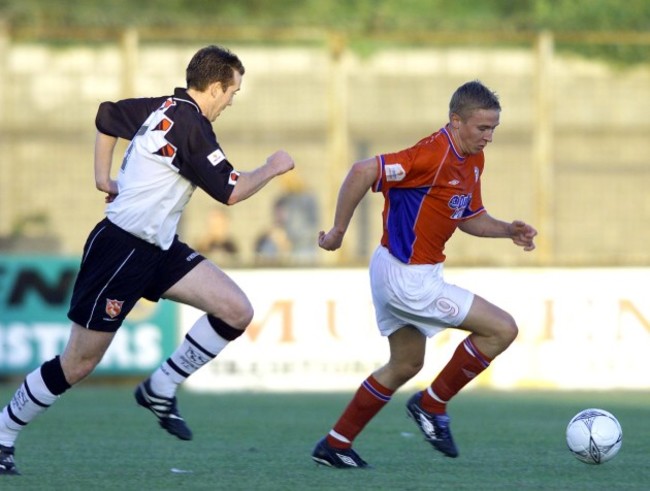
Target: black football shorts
[(118, 269)]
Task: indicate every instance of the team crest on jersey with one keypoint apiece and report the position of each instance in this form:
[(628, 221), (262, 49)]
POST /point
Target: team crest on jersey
[(232, 180), (113, 307), (394, 172), (216, 157)]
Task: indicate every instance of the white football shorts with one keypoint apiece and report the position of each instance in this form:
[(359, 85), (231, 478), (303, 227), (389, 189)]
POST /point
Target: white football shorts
[(414, 294)]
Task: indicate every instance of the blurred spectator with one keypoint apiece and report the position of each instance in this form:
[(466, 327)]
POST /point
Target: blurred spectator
[(273, 247), (217, 244), (292, 238)]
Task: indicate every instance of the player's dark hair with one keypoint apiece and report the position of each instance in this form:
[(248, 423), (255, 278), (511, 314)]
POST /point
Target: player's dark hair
[(212, 64), (472, 96)]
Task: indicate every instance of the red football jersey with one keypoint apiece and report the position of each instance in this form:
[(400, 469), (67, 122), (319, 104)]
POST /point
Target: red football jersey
[(428, 189)]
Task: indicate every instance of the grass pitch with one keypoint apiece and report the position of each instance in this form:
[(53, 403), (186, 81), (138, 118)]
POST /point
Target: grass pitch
[(96, 438)]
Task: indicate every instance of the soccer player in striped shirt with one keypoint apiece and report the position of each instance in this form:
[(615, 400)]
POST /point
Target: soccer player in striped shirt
[(135, 252)]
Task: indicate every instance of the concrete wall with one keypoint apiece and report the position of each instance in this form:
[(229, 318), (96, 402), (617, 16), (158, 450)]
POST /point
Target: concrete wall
[(301, 100)]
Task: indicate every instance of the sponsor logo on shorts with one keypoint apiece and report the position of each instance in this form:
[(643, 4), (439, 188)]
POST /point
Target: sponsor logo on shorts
[(447, 307), (232, 180), (192, 257), (113, 307)]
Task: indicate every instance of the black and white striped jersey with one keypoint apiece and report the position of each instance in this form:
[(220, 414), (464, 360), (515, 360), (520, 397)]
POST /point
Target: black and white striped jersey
[(173, 150)]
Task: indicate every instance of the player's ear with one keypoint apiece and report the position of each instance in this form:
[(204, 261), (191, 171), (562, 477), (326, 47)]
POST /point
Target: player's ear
[(454, 120), (217, 89)]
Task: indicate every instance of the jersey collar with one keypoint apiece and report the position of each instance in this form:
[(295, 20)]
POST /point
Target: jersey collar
[(181, 95), (451, 143)]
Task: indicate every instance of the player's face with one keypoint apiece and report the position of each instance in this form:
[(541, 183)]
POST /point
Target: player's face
[(476, 131), (223, 99)]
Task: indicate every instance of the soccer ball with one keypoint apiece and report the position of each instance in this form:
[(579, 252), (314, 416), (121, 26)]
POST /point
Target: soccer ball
[(594, 436)]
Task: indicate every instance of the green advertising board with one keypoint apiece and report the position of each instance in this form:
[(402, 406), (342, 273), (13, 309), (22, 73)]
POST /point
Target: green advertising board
[(35, 293)]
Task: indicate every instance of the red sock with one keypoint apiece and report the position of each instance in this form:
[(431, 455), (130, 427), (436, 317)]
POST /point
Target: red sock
[(465, 364), (370, 397)]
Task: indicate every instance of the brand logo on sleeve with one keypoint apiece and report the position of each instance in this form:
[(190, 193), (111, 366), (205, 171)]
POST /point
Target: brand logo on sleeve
[(216, 157), (394, 172), (232, 180)]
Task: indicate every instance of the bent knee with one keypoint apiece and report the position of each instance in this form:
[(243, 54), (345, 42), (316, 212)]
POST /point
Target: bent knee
[(507, 331), (237, 315), (235, 318), (243, 316)]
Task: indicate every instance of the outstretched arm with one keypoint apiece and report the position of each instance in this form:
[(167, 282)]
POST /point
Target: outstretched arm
[(250, 183), (484, 225), (104, 147), (354, 188)]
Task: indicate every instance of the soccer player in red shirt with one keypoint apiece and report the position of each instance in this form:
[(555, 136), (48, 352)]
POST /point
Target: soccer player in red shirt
[(429, 191)]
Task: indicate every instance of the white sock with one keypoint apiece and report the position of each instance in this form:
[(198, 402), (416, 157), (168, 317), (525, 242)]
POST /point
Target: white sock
[(201, 344), (31, 399)]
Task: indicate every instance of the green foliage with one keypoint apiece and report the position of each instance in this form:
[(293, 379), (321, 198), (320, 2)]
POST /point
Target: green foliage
[(590, 15), (602, 15), (363, 21), (360, 15)]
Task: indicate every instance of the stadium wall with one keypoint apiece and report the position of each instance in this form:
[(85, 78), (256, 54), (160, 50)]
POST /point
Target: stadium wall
[(587, 198), (35, 295), (315, 330)]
